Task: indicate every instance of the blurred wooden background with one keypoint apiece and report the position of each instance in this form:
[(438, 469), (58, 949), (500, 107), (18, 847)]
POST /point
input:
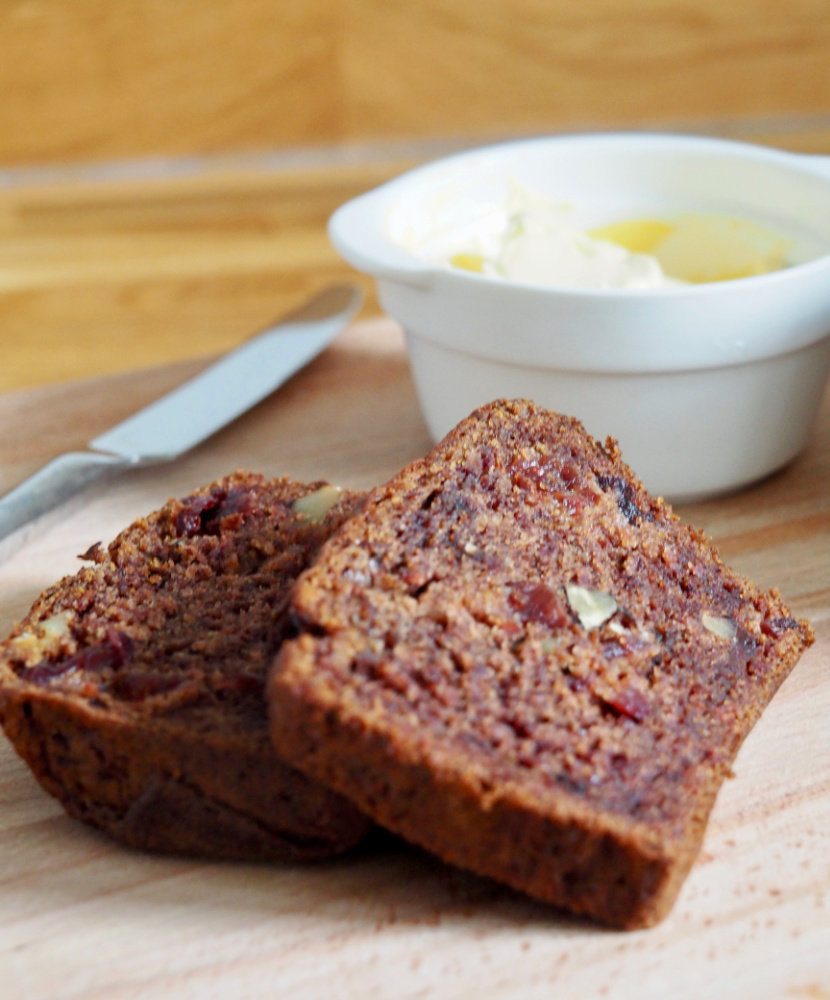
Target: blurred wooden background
[(167, 166), (92, 80)]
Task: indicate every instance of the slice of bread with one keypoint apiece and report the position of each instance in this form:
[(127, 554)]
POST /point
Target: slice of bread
[(519, 660), (134, 689)]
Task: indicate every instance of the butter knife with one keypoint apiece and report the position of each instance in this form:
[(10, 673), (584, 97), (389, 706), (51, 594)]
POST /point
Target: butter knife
[(190, 413)]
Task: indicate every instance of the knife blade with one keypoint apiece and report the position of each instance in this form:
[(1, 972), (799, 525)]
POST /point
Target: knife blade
[(190, 413)]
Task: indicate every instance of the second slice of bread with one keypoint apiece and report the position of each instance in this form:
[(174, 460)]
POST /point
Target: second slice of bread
[(135, 689)]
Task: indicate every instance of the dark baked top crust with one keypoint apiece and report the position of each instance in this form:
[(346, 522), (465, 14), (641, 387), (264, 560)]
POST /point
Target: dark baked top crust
[(515, 625), (134, 689)]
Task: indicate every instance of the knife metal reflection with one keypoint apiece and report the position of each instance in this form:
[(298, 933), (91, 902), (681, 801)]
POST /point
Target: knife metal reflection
[(192, 412)]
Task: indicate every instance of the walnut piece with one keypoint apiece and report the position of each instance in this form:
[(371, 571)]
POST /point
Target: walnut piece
[(315, 505), (592, 607), (43, 639), (723, 628)]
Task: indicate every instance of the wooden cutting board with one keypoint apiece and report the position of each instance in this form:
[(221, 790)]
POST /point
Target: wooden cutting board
[(82, 918)]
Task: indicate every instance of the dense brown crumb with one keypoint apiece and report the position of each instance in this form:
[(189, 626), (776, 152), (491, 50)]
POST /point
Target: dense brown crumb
[(134, 689), (518, 659)]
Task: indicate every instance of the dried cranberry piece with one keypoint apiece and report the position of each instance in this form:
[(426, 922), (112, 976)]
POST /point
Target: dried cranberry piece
[(238, 501), (576, 501), (44, 672), (560, 479), (203, 515), (140, 684), (538, 472), (120, 647), (112, 653), (536, 602), (576, 683), (241, 683), (193, 518), (487, 460), (625, 498), (569, 473), (776, 627), (629, 701), (528, 477)]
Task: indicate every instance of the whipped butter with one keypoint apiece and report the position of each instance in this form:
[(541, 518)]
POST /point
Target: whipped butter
[(529, 239), (526, 238)]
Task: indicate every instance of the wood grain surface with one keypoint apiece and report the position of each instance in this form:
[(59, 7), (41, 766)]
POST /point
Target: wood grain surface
[(97, 81), (102, 275), (82, 919)]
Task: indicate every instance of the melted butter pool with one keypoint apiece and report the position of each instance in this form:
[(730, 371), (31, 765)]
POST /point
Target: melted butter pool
[(701, 247)]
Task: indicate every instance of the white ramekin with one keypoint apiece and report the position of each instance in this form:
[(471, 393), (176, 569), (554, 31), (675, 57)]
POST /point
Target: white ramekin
[(707, 387)]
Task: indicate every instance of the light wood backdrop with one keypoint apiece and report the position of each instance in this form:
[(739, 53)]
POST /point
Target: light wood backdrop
[(167, 167), (97, 80)]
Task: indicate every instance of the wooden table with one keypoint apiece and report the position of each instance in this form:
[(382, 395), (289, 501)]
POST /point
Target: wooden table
[(82, 919)]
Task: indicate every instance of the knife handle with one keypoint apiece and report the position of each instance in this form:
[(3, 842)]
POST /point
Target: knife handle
[(51, 485)]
